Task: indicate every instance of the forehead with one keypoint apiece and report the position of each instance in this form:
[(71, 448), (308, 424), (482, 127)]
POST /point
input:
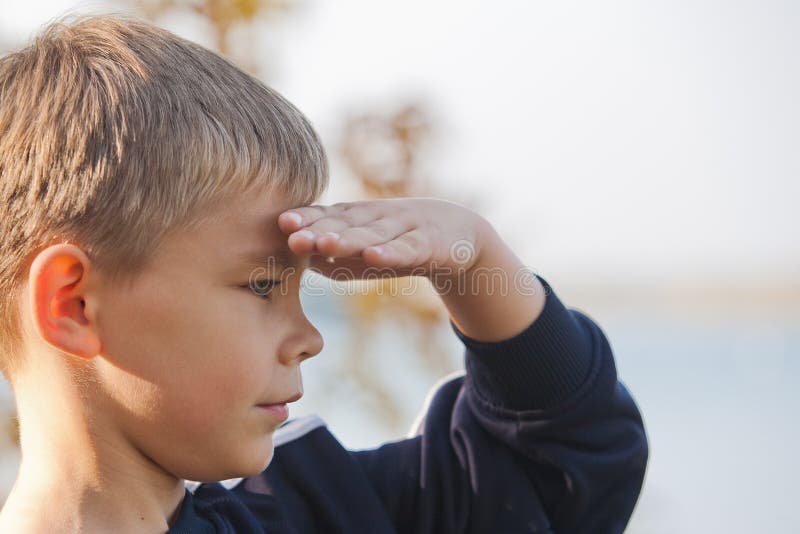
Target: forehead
[(246, 234)]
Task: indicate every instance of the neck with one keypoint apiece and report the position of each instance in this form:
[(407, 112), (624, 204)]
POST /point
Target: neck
[(79, 473)]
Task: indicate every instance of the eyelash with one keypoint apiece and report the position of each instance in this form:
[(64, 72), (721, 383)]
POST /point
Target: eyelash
[(258, 288)]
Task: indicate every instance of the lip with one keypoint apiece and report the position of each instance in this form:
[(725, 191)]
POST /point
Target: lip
[(294, 398), (279, 411)]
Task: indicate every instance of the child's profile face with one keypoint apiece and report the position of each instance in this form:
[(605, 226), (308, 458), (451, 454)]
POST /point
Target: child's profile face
[(192, 350)]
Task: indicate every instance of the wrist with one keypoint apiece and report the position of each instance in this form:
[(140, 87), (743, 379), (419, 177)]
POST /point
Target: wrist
[(475, 255), (494, 297)]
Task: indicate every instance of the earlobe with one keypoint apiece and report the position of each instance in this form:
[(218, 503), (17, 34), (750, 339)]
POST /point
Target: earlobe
[(58, 300)]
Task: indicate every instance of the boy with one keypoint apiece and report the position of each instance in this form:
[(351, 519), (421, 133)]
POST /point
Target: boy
[(157, 214)]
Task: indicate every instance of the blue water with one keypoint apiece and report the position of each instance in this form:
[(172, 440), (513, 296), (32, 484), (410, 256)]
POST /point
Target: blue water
[(720, 402)]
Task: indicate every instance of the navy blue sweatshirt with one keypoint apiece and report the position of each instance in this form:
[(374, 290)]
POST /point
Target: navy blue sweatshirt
[(536, 435)]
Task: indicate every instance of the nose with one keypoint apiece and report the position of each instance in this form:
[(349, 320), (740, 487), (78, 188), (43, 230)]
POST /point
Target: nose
[(305, 341)]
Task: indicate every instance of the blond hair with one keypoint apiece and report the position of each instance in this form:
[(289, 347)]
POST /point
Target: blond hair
[(115, 133)]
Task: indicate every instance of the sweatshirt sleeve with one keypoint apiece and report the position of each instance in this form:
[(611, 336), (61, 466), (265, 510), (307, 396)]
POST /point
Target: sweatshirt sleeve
[(537, 435)]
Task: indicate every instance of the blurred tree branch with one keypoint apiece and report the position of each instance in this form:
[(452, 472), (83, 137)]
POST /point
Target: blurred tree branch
[(223, 16)]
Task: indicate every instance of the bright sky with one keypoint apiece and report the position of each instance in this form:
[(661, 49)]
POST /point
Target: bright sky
[(650, 140)]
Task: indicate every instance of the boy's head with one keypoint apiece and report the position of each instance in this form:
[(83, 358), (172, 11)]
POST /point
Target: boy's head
[(141, 177)]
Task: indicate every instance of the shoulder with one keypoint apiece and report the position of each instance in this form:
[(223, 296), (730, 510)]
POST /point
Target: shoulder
[(445, 382)]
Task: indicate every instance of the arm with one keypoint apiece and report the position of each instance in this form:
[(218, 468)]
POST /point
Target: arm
[(539, 432)]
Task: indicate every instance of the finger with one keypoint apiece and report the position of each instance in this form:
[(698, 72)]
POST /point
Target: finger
[(351, 241), (298, 222), (337, 218), (296, 218), (340, 222), (302, 242), (293, 219), (323, 235), (410, 249), (354, 212)]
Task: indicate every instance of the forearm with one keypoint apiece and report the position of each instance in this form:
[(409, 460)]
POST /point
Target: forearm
[(497, 297)]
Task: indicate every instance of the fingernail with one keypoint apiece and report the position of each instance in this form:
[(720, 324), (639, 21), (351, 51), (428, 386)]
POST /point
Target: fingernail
[(295, 217), (333, 235), (306, 233), (378, 250)]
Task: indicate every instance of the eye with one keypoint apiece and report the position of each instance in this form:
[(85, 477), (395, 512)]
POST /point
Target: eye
[(262, 288)]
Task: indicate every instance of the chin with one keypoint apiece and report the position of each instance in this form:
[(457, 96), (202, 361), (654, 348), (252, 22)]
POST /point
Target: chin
[(243, 462), (259, 459)]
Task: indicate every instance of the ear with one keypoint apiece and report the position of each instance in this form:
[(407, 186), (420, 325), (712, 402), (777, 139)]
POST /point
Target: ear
[(59, 301)]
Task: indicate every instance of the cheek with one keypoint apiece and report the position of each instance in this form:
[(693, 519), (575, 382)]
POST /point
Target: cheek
[(179, 414), (167, 339), (199, 439), (183, 380), (190, 433)]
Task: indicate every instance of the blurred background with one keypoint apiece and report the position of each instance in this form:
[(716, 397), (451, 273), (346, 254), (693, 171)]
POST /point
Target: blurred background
[(641, 157)]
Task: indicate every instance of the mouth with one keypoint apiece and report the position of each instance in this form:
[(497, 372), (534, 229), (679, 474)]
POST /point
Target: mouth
[(294, 398), (280, 410)]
